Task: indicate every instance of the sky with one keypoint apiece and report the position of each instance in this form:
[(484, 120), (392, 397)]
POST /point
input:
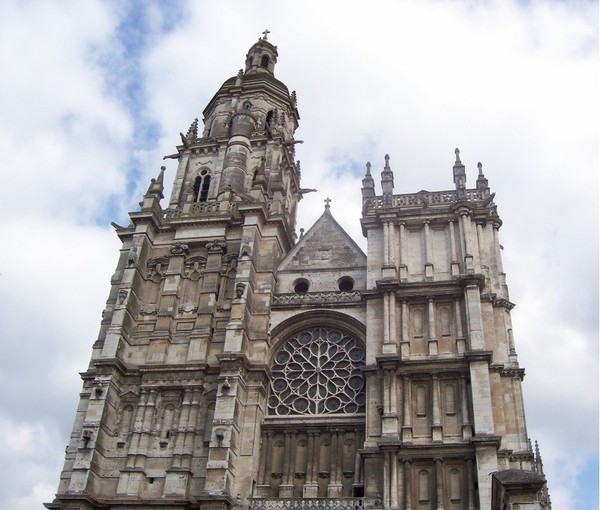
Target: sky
[(94, 93)]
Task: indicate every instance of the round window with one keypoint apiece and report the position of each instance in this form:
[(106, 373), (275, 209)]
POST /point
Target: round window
[(318, 371), (345, 284), (301, 286)]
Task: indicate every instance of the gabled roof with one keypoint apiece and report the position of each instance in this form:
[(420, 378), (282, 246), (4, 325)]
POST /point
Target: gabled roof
[(326, 245)]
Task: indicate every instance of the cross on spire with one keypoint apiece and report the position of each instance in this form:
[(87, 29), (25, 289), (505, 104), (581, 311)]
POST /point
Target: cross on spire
[(265, 33), (327, 202)]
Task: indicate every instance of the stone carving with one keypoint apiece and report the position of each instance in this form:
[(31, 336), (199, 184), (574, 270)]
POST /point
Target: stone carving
[(276, 475), (317, 298), (216, 246), (122, 296), (178, 248), (86, 437), (194, 267), (239, 290), (156, 269), (148, 310), (323, 474), (188, 308), (132, 256), (246, 249), (229, 263)]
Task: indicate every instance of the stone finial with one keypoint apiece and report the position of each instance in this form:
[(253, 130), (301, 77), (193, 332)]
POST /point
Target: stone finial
[(327, 202), (482, 182), (460, 176), (387, 179), (539, 465), (294, 98), (192, 132), (265, 33), (368, 184)]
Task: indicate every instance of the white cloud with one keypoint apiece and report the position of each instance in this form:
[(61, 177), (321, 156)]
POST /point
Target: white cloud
[(513, 84)]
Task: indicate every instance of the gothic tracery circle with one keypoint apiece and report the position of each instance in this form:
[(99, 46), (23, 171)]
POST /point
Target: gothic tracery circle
[(317, 371)]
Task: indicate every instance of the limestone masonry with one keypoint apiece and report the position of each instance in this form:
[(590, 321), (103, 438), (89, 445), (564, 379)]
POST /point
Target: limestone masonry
[(239, 366)]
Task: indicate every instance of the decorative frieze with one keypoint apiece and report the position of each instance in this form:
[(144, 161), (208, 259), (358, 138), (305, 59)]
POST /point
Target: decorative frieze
[(317, 298)]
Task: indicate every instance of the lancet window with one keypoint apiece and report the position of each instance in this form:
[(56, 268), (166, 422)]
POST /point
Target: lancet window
[(201, 186)]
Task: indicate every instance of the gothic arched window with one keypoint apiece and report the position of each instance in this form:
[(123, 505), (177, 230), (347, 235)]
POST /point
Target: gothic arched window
[(317, 371), (201, 185)]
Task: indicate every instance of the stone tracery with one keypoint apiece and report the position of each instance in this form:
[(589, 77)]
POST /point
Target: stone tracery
[(317, 371)]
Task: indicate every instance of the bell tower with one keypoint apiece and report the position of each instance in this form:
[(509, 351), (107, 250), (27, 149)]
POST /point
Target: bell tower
[(174, 395), (245, 155)]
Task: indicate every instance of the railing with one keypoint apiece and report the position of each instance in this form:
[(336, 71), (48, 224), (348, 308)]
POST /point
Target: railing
[(199, 208), (308, 504), (427, 198), (316, 298)]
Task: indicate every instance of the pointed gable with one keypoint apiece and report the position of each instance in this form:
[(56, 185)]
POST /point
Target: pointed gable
[(325, 246)]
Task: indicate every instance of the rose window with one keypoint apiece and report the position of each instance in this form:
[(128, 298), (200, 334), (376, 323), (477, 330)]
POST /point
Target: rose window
[(318, 372)]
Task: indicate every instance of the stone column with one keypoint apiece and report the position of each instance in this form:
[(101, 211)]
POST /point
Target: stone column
[(142, 453), (466, 227), (181, 429), (460, 337), (286, 489), (386, 243), (190, 433), (501, 283), (394, 481), (482, 261), (386, 480), (262, 463), (432, 342), (407, 421), (467, 430), (470, 485), (403, 257), (407, 485), (428, 252), (405, 341), (439, 484), (436, 429), (454, 264), (393, 335), (334, 487), (311, 487), (386, 318)]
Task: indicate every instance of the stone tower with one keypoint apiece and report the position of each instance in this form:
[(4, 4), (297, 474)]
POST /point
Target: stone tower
[(238, 366)]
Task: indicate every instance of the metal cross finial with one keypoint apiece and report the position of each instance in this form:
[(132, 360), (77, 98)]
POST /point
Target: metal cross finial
[(265, 33), (327, 202)]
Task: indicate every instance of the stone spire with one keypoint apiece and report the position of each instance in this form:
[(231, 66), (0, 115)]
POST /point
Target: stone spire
[(368, 184), (387, 180), (482, 182), (460, 176)]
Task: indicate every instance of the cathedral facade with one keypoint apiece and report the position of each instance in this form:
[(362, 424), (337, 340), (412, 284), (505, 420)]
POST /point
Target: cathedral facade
[(241, 366)]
